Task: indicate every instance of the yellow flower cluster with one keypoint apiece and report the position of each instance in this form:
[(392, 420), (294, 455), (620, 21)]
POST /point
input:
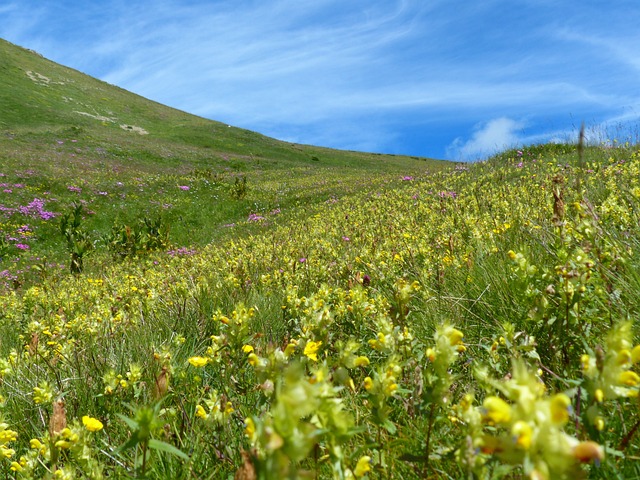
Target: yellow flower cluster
[(525, 426), (6, 436), (329, 334)]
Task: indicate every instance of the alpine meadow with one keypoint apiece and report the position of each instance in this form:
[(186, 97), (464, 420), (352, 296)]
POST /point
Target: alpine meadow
[(183, 299)]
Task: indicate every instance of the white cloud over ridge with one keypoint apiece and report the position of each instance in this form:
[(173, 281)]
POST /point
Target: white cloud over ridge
[(493, 136)]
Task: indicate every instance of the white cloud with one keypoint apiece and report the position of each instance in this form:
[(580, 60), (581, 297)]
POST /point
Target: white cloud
[(491, 137)]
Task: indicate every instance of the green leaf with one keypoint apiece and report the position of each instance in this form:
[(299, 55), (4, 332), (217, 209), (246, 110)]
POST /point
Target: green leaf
[(168, 448), (389, 426), (133, 425), (131, 443)]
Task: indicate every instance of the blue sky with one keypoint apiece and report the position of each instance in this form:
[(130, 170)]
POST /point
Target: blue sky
[(446, 79)]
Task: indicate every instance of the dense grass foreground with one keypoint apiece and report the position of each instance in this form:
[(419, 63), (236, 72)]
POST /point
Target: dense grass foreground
[(475, 323)]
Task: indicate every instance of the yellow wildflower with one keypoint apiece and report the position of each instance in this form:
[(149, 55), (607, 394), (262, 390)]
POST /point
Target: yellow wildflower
[(35, 444), (560, 405), (7, 436), (635, 354), (599, 395), (598, 422), (624, 357), (253, 359), (585, 360), (247, 348), (6, 452), (311, 350), (201, 412), (391, 388), (249, 427), (496, 410), (455, 336), (198, 361), (368, 383), (379, 342), (522, 433), (629, 378), (92, 424), (361, 362), (290, 348), (363, 466), (42, 393)]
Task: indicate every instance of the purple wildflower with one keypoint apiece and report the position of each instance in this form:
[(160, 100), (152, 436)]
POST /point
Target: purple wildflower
[(181, 251), (36, 209), (254, 217), (447, 194)]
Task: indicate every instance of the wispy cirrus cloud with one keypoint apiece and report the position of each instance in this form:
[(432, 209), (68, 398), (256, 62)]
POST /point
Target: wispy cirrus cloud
[(360, 74)]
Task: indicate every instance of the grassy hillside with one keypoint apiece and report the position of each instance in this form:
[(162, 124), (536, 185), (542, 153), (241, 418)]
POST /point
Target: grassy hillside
[(350, 321), (43, 102), (66, 138)]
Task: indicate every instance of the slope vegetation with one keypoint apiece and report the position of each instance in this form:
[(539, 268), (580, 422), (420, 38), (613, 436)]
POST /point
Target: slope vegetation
[(66, 139), (475, 322)]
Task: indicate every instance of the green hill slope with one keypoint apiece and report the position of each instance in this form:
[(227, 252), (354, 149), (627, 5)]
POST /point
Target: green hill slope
[(351, 319), (67, 138), (41, 100), (474, 323)]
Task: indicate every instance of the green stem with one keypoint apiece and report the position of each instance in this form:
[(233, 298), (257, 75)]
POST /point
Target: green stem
[(427, 449), (144, 458)]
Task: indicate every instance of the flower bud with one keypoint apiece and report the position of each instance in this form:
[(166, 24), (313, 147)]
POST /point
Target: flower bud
[(623, 357), (496, 410), (560, 405), (635, 354), (588, 451), (522, 432), (629, 378), (599, 395)]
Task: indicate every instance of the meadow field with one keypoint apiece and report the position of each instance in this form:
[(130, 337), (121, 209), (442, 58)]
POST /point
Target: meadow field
[(201, 302)]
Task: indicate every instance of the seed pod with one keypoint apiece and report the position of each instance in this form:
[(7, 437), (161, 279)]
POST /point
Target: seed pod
[(58, 420)]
